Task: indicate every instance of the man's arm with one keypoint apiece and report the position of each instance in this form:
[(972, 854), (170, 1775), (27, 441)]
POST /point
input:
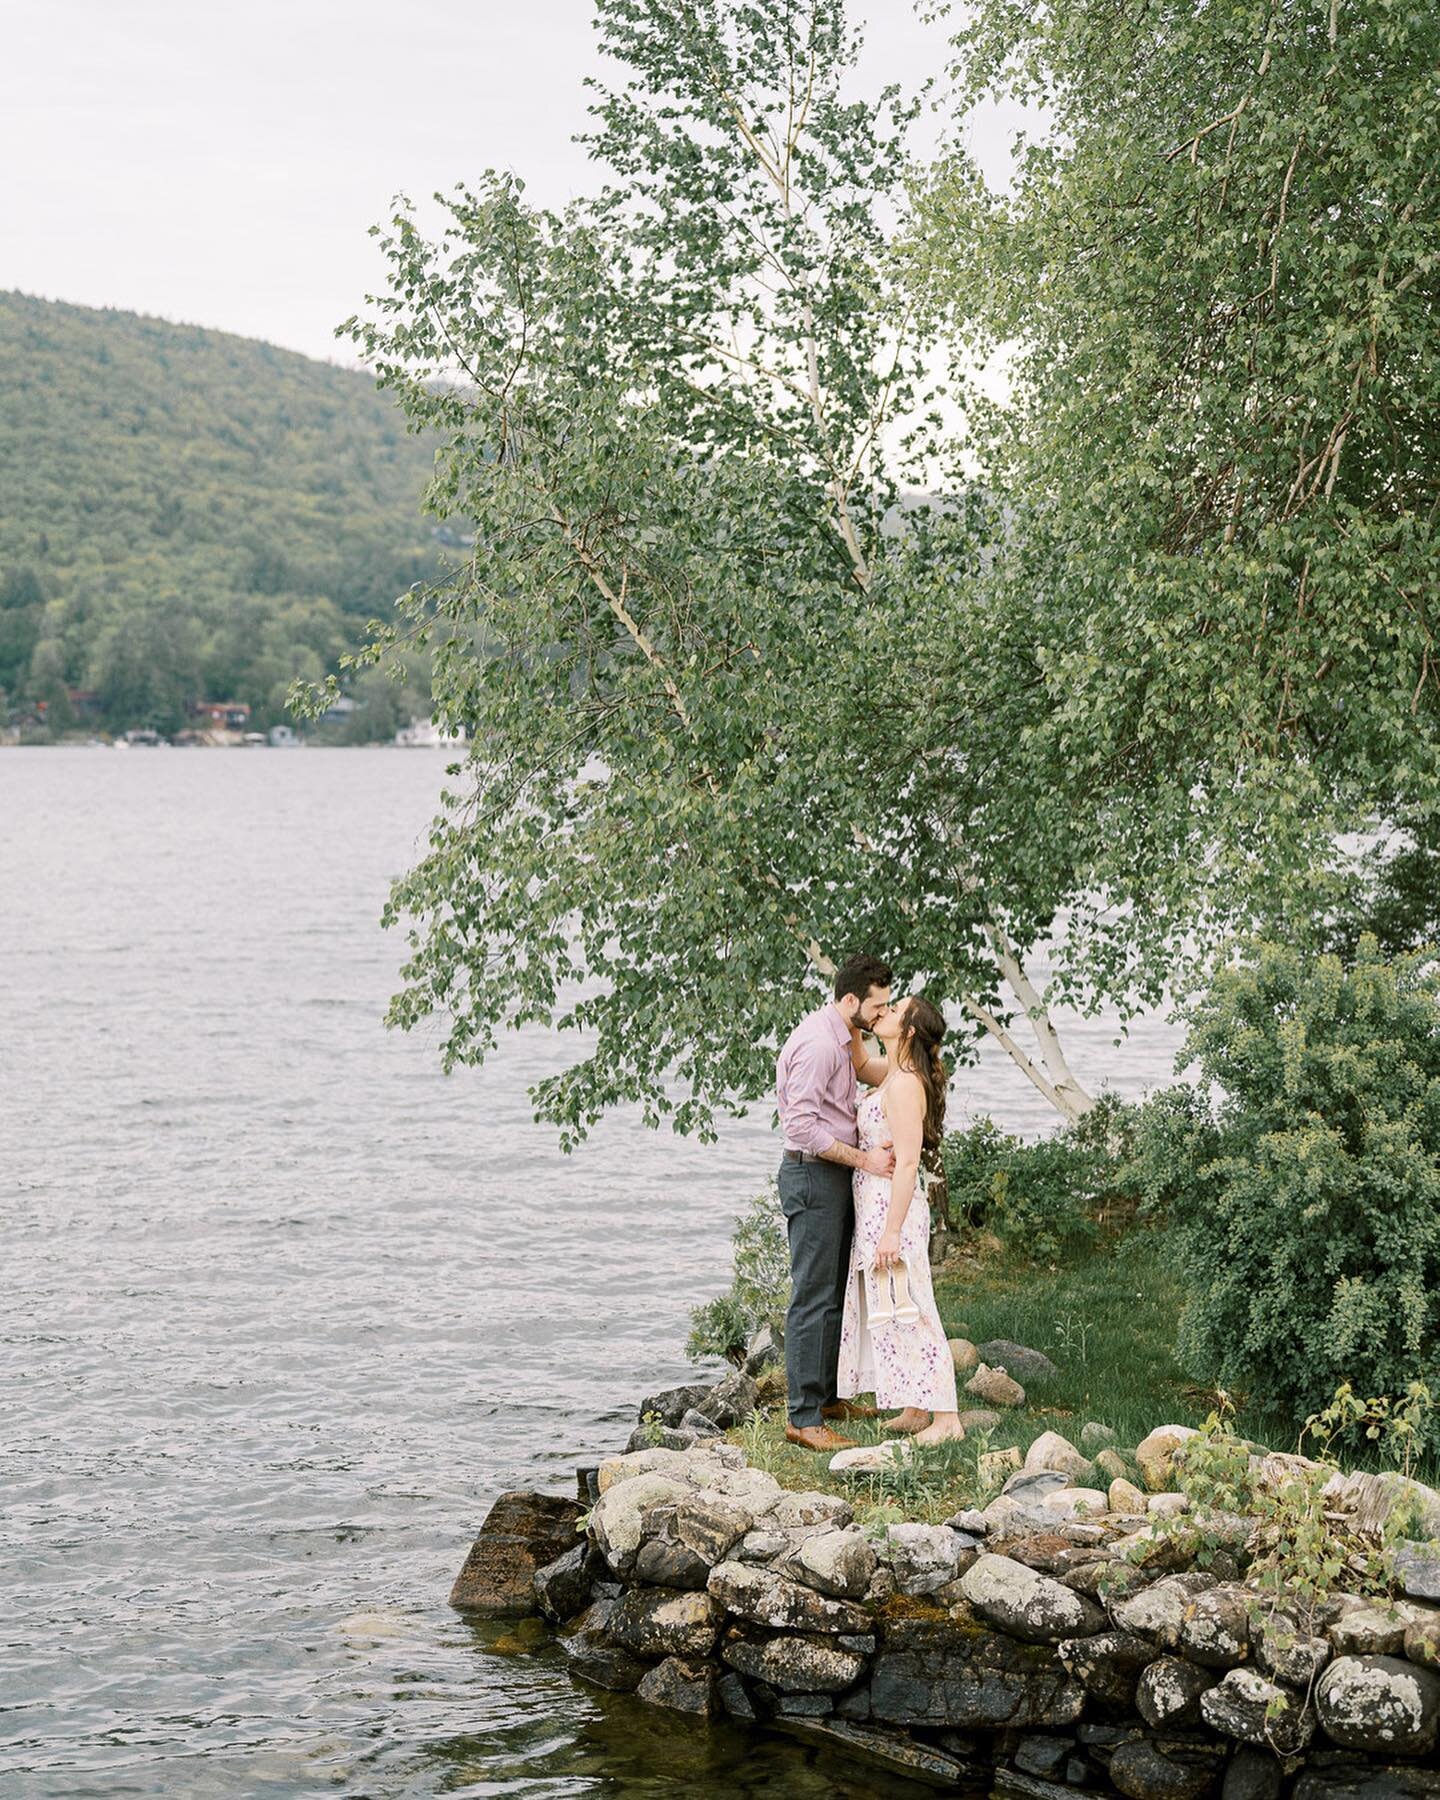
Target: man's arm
[(805, 1080), (874, 1162)]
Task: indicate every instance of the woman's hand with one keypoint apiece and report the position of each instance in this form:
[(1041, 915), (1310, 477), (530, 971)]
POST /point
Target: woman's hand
[(887, 1251)]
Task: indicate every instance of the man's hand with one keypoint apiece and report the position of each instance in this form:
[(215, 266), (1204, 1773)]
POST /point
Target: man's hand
[(878, 1162)]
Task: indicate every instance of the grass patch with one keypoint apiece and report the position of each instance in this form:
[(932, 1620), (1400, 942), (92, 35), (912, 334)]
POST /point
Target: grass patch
[(1105, 1318), (938, 1482)]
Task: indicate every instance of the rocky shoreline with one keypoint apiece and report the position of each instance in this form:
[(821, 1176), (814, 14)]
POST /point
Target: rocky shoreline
[(1062, 1640)]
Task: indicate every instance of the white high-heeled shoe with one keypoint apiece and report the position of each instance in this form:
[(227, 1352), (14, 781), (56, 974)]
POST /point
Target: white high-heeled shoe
[(879, 1299), (906, 1312)]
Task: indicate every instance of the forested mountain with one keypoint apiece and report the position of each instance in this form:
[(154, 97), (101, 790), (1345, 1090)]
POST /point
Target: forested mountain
[(190, 515)]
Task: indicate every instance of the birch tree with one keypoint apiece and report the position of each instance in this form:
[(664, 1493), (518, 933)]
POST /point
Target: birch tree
[(741, 700), (1215, 283)]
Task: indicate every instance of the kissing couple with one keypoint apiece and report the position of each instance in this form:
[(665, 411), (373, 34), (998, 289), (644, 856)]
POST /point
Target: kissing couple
[(862, 1316)]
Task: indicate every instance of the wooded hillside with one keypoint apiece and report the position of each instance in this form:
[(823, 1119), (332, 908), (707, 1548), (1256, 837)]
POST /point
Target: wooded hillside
[(190, 515)]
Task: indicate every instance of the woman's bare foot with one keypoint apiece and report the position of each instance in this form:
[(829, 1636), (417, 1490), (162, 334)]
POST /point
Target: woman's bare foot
[(912, 1419), (944, 1429)]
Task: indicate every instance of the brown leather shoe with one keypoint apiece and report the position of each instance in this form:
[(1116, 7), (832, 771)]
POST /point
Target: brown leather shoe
[(848, 1409), (818, 1437)]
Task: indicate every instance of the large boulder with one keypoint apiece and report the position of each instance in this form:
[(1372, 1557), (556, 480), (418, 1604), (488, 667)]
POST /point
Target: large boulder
[(995, 1387), (710, 1526), (562, 1587), (1076, 1503), (697, 1467), (1029, 1487), (1248, 1706), (1169, 1691), (591, 1655), (663, 1562), (731, 1401), (766, 1597), (670, 1405), (792, 1510), (954, 1672), (683, 1686), (1144, 1771), (1027, 1604), (1051, 1451), (659, 1622), (661, 1437), (1155, 1454), (1422, 1636), (747, 1487), (1018, 1360), (1367, 1628), (1108, 1665), (839, 1563), (1379, 1703), (797, 1663), (1215, 1627), (522, 1533), (1282, 1649), (923, 1558), (1417, 1569), (1158, 1611), (617, 1521), (1109, 1462)]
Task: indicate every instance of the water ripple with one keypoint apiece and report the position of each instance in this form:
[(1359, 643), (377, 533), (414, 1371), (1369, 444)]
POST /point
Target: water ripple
[(285, 1308)]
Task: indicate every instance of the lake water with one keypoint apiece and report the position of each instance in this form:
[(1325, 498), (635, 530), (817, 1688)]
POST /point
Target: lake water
[(284, 1308)]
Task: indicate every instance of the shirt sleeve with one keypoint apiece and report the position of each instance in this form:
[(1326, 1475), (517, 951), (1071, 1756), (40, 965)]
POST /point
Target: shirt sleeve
[(811, 1069)]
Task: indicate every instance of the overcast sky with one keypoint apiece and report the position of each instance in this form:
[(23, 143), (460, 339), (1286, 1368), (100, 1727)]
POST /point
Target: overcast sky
[(219, 161)]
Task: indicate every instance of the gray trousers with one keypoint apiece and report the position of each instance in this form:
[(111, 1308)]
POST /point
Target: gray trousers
[(817, 1201)]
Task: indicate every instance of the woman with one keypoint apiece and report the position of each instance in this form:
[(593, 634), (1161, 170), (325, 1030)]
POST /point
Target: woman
[(892, 1341)]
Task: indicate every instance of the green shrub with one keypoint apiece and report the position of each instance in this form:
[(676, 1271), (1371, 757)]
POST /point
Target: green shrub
[(1306, 1204), (1039, 1198), (759, 1289)]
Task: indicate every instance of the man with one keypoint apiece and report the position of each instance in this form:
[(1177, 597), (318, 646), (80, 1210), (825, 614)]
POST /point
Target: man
[(815, 1088)]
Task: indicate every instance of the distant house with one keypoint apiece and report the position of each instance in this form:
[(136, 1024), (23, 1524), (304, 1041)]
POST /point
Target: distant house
[(425, 734), (339, 710), (85, 703), (221, 715), (282, 737)]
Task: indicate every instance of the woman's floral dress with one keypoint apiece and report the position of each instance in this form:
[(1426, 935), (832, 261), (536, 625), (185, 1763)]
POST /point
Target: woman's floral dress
[(902, 1365)]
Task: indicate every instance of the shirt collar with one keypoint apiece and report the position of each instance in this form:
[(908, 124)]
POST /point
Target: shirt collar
[(836, 1020)]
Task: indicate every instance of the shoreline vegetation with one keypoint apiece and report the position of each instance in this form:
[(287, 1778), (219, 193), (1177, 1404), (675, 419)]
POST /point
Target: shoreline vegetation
[(1078, 1598), (1174, 1557)]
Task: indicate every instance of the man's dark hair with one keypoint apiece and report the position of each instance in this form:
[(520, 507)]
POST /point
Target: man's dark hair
[(858, 974)]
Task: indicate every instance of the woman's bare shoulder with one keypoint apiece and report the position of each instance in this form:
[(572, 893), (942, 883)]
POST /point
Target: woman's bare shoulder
[(903, 1084)]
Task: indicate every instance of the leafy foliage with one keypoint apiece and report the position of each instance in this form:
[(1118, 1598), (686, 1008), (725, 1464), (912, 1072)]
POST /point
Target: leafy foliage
[(1215, 284), (190, 515), (759, 1291), (1395, 894), (1041, 1198), (1306, 1206), (748, 702)]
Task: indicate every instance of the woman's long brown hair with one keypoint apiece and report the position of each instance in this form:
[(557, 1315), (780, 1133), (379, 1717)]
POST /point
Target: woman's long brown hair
[(923, 1027)]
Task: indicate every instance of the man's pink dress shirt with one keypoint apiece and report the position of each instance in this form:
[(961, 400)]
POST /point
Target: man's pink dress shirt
[(815, 1084)]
